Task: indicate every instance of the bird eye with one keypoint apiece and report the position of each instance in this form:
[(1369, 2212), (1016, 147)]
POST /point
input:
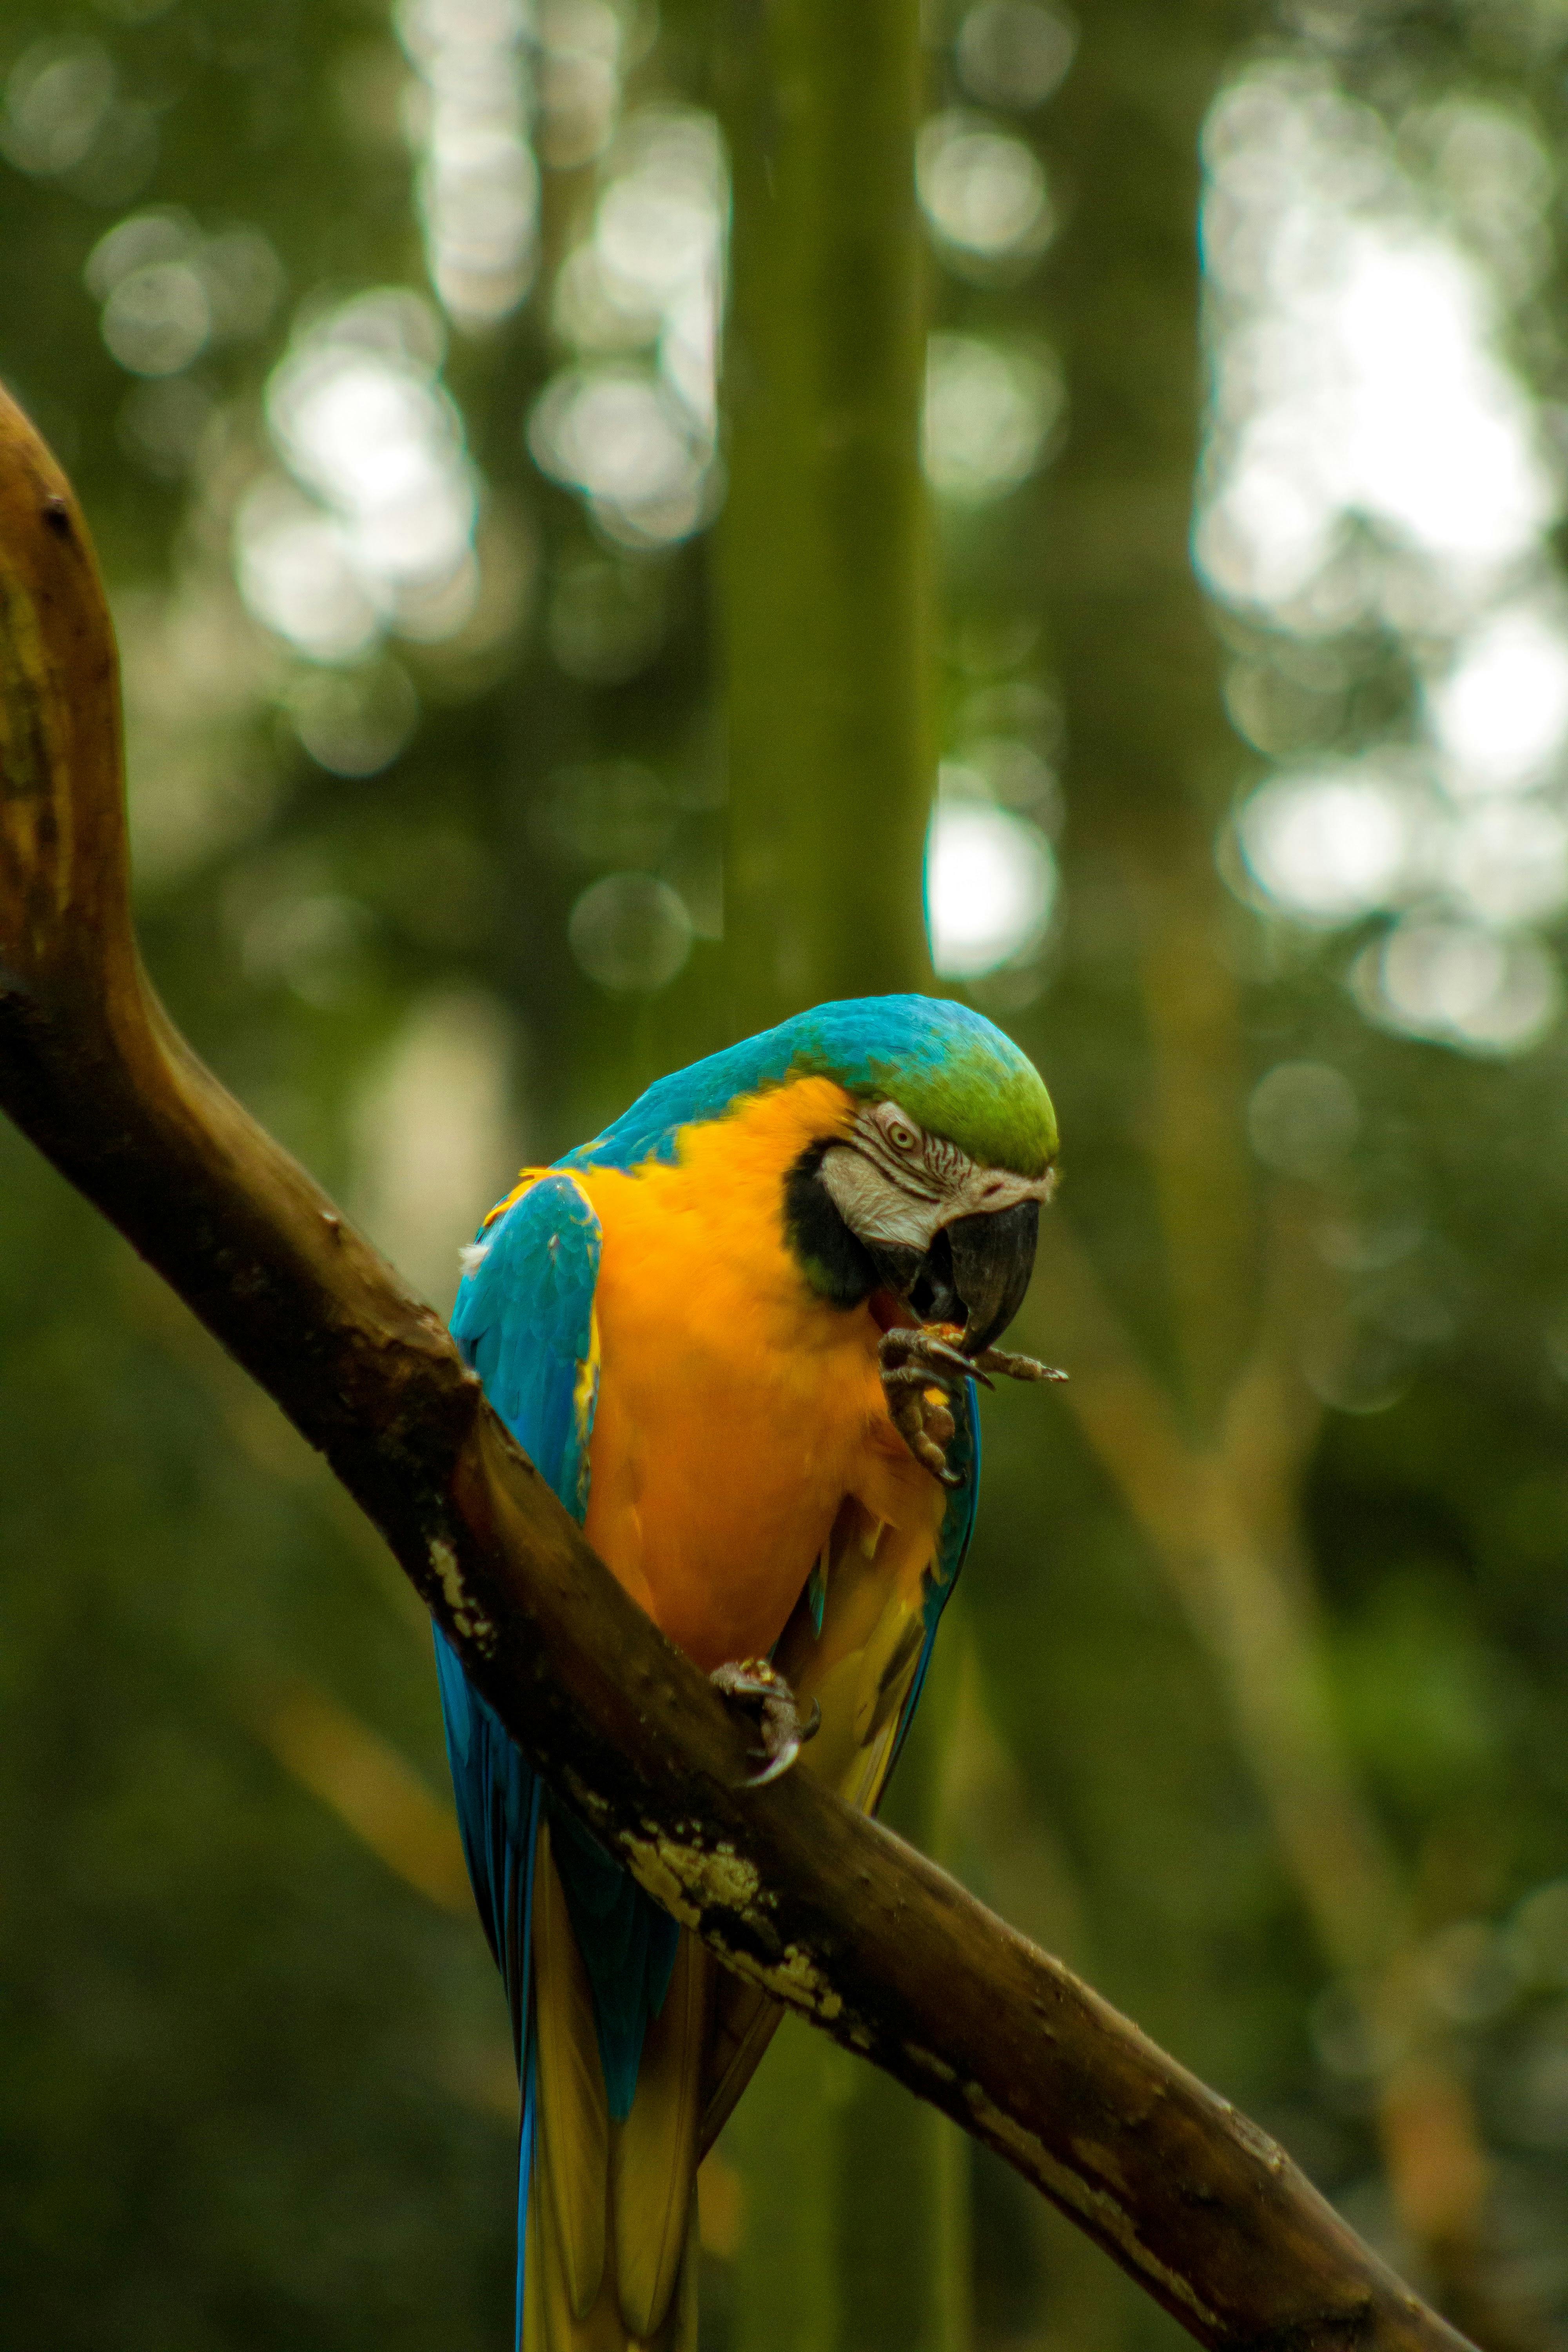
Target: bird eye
[(902, 1139)]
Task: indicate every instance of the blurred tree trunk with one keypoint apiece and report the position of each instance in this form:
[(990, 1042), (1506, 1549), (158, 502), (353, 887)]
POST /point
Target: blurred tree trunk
[(824, 542), (855, 2198), (1210, 1449)]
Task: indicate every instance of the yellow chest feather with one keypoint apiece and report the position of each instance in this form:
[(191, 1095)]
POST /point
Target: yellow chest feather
[(738, 1410)]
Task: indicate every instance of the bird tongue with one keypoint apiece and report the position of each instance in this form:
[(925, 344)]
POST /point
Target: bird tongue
[(889, 1312)]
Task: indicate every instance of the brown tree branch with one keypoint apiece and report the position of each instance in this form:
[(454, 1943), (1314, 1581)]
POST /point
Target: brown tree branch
[(836, 1917)]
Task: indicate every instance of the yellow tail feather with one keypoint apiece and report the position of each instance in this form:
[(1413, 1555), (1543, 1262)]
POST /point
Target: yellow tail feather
[(654, 2157), (572, 2128), (611, 2256)]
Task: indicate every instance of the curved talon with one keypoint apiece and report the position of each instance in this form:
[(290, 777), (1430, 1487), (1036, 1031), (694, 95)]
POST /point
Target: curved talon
[(933, 1350), (787, 1753), (927, 1348), (756, 1684)]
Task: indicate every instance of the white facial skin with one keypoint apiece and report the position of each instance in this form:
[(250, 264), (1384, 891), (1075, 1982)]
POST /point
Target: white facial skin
[(893, 1182)]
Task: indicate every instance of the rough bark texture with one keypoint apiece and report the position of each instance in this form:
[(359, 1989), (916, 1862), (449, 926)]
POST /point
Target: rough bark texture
[(834, 1916)]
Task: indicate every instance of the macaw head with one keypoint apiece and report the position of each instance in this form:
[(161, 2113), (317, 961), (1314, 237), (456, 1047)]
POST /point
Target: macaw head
[(932, 1189), (925, 1184)]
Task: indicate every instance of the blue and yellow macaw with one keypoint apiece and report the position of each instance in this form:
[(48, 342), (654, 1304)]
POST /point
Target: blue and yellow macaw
[(738, 1333)]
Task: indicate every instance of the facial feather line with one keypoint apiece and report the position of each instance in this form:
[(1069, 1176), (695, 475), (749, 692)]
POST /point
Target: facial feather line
[(891, 1183)]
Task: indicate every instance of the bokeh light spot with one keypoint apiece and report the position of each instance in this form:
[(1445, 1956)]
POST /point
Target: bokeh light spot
[(991, 887), (479, 186), (1358, 373), (637, 439), (1459, 985), (157, 319), (989, 414), (1501, 712), (58, 95), (983, 189), (354, 722), (1332, 845), (1013, 52), (1302, 1119), (168, 290), (619, 434), (296, 575), (630, 932), (379, 531)]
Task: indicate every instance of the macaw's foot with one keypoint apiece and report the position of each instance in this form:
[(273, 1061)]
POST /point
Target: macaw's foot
[(920, 1373), (762, 1692)]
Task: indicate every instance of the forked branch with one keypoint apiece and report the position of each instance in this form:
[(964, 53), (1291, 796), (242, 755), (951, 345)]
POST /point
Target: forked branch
[(830, 1913)]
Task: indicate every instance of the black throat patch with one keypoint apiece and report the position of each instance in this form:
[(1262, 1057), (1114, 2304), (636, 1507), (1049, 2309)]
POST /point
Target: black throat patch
[(838, 1266)]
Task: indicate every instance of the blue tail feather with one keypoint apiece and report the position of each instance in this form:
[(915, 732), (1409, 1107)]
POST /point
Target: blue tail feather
[(528, 2070)]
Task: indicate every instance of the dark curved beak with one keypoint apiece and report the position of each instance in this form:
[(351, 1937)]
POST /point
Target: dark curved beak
[(993, 1258)]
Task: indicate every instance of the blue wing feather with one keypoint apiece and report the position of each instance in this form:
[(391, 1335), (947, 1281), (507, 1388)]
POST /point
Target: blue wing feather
[(524, 1320)]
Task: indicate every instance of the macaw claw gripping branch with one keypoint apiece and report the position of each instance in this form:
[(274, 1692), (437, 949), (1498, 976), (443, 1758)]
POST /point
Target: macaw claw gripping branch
[(831, 1914)]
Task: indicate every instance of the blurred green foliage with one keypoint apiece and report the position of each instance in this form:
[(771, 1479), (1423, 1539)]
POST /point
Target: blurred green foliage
[(445, 891)]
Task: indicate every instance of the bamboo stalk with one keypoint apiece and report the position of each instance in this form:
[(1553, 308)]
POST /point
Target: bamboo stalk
[(824, 543)]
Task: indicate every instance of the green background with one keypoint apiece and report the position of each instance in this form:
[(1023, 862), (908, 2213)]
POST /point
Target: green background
[(1255, 1705)]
